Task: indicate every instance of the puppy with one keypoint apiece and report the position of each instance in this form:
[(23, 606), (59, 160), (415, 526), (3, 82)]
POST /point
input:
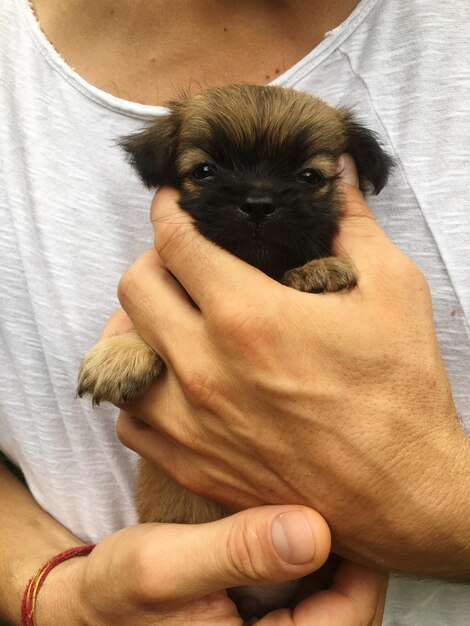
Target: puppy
[(257, 170)]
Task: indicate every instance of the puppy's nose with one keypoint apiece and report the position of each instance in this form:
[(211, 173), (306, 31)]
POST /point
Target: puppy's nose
[(258, 208)]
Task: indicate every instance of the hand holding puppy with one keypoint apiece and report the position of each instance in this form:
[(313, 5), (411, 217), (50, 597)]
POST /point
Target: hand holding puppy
[(176, 574), (338, 401)]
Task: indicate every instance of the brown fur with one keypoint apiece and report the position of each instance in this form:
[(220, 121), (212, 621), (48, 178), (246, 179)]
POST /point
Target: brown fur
[(117, 368), (160, 499), (280, 113), (332, 273)]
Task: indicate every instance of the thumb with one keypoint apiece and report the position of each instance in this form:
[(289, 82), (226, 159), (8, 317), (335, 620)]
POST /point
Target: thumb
[(263, 545), (360, 236)]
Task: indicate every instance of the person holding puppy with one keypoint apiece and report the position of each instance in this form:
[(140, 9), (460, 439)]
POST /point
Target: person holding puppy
[(388, 416)]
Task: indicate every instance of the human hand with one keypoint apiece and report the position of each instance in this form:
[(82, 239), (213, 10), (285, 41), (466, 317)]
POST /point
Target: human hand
[(172, 574), (339, 401), (356, 597)]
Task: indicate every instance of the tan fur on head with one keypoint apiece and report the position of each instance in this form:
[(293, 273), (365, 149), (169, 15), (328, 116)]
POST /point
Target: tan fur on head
[(160, 152), (276, 112)]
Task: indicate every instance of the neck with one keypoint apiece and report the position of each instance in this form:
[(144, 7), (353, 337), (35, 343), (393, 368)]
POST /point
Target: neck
[(148, 50)]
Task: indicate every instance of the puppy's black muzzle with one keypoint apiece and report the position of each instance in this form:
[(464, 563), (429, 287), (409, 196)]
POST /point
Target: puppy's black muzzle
[(258, 208)]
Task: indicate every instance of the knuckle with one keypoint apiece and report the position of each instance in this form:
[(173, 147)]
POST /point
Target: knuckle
[(356, 204), (126, 287), (397, 266), (412, 278), (244, 326), (365, 610), (122, 430), (419, 279), (247, 561), (142, 567), (134, 281), (405, 268), (200, 387), (170, 238), (187, 476)]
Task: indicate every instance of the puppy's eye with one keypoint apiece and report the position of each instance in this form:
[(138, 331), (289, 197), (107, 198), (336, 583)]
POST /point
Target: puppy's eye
[(204, 171), (310, 176)]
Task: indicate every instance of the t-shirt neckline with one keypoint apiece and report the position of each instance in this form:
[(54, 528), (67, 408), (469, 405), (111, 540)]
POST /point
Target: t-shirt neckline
[(289, 78)]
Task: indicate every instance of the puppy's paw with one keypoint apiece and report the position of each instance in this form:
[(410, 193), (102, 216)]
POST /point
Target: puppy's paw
[(329, 274), (118, 369)]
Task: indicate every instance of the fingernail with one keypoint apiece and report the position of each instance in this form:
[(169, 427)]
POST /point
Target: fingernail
[(293, 538)]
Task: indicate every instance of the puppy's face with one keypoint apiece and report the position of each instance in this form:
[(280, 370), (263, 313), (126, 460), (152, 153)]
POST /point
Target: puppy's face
[(256, 167)]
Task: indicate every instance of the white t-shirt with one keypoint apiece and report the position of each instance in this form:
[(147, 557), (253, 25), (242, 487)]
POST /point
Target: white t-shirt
[(74, 216)]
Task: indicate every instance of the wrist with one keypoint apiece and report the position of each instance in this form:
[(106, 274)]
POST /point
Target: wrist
[(60, 600), (23, 568), (448, 503), (29, 537)]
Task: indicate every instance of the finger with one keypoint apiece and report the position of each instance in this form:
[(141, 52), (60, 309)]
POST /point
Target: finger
[(147, 441), (364, 586), (118, 323), (263, 545), (199, 265), (152, 298), (177, 450), (360, 236), (355, 598)]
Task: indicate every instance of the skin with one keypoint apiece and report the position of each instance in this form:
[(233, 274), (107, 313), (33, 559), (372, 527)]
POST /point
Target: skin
[(144, 575), (348, 388), (127, 49), (122, 48)]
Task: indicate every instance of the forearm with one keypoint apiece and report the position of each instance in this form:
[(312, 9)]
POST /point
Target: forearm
[(28, 538), (438, 520)]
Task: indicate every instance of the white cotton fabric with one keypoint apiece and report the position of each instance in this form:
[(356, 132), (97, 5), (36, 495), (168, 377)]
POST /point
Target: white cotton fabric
[(74, 216)]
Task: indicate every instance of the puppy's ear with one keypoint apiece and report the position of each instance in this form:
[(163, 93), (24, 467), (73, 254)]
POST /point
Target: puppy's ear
[(373, 163), (152, 151)]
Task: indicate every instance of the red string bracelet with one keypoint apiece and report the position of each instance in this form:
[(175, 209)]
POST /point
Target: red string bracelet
[(28, 605)]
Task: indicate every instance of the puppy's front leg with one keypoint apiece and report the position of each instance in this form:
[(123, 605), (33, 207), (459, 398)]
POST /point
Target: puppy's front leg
[(161, 499), (332, 273), (118, 369)]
